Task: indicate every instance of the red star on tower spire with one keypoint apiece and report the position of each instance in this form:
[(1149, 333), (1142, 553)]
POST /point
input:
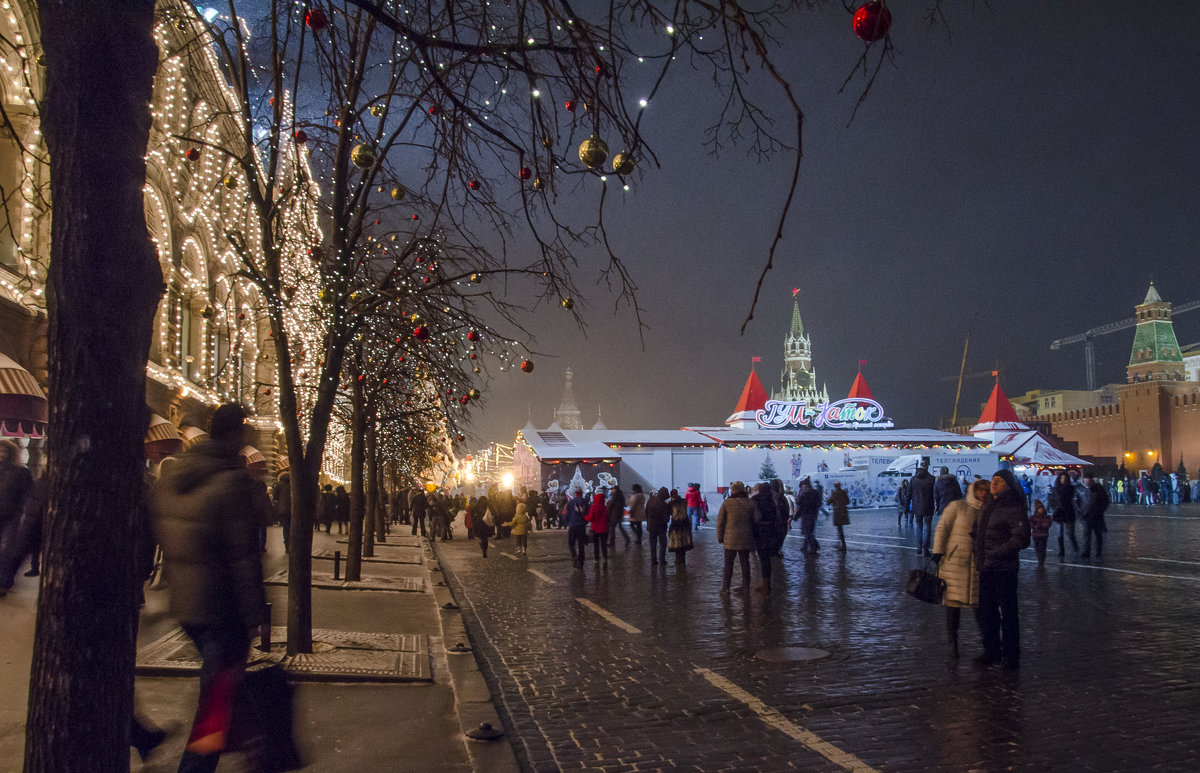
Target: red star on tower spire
[(795, 291)]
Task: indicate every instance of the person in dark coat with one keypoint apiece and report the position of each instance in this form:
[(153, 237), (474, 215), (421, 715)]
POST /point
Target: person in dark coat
[(945, 490), (1093, 517), (839, 500), (15, 484), (679, 531), (282, 495), (481, 513), (765, 532), (923, 506), (418, 506), (1001, 533), (808, 506), (342, 509), (658, 518), (205, 521), (782, 516), (574, 517), (326, 509), (616, 518), (1062, 498), (903, 503)]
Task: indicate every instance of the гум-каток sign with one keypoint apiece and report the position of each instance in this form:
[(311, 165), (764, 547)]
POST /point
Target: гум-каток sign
[(851, 413)]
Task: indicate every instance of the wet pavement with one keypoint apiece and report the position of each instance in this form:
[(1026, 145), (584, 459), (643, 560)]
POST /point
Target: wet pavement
[(647, 668)]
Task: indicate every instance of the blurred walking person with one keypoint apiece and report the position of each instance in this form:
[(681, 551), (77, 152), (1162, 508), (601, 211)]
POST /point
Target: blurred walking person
[(808, 506), (679, 533), (637, 511), (735, 531), (616, 517), (840, 501), (953, 551), (764, 528), (1063, 500), (658, 518), (575, 519), (597, 518), (1093, 517), (206, 523), (1039, 527)]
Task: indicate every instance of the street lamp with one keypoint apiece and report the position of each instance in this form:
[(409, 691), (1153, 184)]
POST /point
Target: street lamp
[(507, 480)]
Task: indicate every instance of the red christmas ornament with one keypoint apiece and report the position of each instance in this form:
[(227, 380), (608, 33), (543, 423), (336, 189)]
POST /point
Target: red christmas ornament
[(192, 154), (433, 109), (525, 173), (472, 355), (527, 366), (416, 217), (421, 333), (872, 21), (473, 185), (570, 106), (316, 19), (472, 336), (465, 399), (301, 137)]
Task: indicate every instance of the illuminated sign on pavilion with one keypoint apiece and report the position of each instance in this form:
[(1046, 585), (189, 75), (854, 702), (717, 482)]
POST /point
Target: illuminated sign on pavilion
[(851, 413)]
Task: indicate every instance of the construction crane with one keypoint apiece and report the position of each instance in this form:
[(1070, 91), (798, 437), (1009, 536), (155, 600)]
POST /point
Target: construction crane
[(1089, 339)]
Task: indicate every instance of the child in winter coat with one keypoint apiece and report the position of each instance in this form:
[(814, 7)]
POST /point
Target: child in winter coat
[(520, 528), (1039, 524)]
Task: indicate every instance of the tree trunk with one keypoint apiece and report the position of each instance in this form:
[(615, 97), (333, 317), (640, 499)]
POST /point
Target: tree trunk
[(363, 468), (104, 286), (373, 513), (357, 423), (305, 474)]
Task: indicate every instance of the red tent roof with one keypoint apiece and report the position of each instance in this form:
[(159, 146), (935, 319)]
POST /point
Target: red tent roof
[(754, 398), (998, 413), (860, 389)]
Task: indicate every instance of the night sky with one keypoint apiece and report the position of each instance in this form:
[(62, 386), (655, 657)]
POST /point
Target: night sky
[(1022, 177)]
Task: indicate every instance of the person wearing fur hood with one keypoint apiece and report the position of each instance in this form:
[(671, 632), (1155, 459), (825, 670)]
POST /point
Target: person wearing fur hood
[(953, 550)]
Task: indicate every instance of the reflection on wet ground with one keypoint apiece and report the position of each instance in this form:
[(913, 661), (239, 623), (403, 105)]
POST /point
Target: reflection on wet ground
[(1107, 679)]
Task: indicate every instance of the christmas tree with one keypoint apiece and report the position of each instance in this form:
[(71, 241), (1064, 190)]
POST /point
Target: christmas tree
[(767, 472)]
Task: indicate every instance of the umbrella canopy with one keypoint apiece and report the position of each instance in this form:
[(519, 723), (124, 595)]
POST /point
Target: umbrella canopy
[(23, 406)]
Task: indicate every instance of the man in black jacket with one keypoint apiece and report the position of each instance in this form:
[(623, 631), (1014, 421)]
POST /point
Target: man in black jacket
[(1093, 516), (1001, 533), (808, 505), (923, 506), (207, 525)]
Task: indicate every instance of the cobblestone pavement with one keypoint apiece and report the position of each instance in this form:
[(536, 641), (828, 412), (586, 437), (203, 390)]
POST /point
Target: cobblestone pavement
[(648, 668)]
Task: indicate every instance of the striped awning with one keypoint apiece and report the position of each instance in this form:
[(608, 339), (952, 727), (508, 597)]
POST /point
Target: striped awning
[(23, 406), (162, 437), (252, 456), (191, 436)]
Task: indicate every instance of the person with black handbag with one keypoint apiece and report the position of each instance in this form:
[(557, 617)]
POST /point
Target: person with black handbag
[(952, 550)]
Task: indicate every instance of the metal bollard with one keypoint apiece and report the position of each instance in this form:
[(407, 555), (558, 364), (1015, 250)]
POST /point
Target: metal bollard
[(337, 564), (264, 632)]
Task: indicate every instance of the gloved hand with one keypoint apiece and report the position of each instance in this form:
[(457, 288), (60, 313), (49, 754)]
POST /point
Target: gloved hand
[(937, 558)]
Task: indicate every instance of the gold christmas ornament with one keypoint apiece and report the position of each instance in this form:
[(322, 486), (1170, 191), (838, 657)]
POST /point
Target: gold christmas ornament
[(538, 183), (362, 156), (398, 193), (376, 110), (547, 142), (623, 163), (474, 393), (476, 370), (229, 182), (568, 303), (593, 152), (476, 278)]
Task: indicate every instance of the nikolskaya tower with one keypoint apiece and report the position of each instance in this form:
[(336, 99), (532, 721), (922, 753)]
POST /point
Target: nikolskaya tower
[(799, 379)]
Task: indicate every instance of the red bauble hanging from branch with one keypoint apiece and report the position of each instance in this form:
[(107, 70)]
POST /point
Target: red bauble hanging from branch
[(472, 336), (421, 333), (527, 366), (192, 154), (301, 137), (872, 21), (316, 19), (525, 173)]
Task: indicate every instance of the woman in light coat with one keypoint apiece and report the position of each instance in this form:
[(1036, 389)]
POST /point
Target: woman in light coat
[(953, 550)]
